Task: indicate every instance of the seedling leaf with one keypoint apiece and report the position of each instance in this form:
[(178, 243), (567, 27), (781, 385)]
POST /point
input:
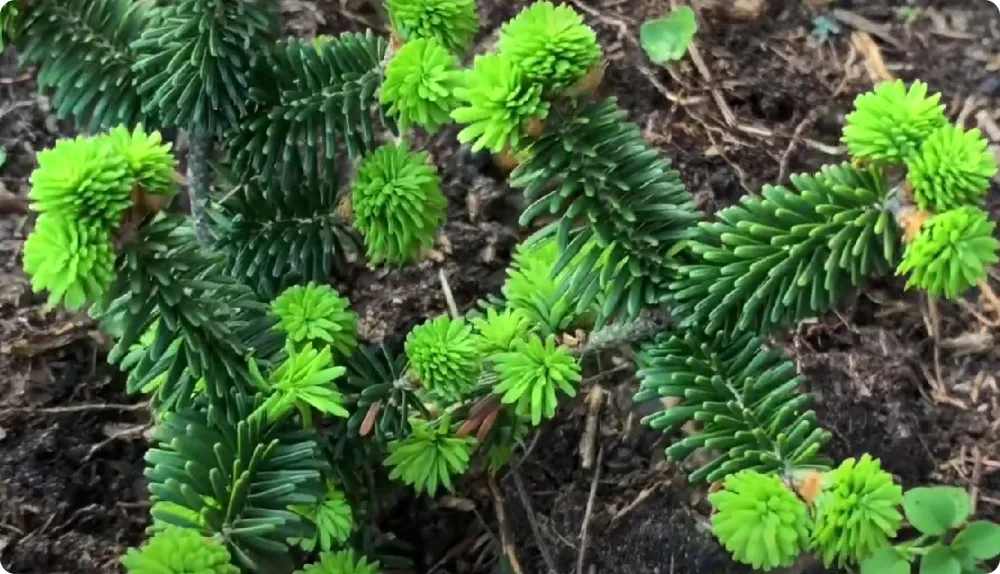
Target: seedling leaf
[(666, 39), (939, 560), (885, 561), (933, 511), (981, 539)]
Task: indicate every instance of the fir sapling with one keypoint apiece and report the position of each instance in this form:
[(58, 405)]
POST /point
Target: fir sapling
[(278, 429)]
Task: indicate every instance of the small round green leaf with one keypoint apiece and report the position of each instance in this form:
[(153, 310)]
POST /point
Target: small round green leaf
[(960, 498), (939, 560), (886, 561), (930, 510), (665, 39), (980, 538)]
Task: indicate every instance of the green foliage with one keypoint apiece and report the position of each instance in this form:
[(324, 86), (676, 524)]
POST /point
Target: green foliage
[(789, 254), (667, 39), (303, 380), (935, 510), (499, 331), (550, 44), (137, 351), (613, 191), (444, 357), (891, 122), (530, 375), (937, 513), (233, 338), (420, 83), (179, 551), (539, 294), (317, 314), (951, 252), (343, 562), (980, 540), (303, 93), (333, 518), (240, 474), (430, 456), (10, 21), (193, 66), (398, 204), (372, 374), (498, 101), (451, 23), (82, 188), (147, 158), (162, 507), (824, 28), (940, 560), (508, 432), (275, 237), (909, 14), (887, 560), (856, 513), (91, 81), (746, 398), (759, 520), (84, 180), (74, 261), (953, 168), (163, 274)]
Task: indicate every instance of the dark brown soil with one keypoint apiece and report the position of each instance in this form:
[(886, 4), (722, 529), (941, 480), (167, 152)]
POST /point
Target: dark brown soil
[(72, 495)]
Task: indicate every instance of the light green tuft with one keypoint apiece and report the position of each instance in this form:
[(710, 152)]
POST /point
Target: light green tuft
[(531, 374), (759, 520), (891, 122), (451, 23), (532, 288), (430, 456), (951, 252), (150, 164), (343, 562), (498, 332), (856, 512), (74, 261), (420, 83), (499, 100), (397, 202), (444, 356), (551, 45), (317, 314), (82, 179), (953, 168), (175, 550), (303, 380), (333, 518)]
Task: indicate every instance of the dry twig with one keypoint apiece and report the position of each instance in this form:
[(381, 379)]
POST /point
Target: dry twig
[(588, 440), (98, 407), (506, 535), (589, 510), (543, 549), (449, 297)]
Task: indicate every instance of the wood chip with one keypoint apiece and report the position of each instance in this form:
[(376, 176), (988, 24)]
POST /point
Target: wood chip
[(874, 62), (748, 9)]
